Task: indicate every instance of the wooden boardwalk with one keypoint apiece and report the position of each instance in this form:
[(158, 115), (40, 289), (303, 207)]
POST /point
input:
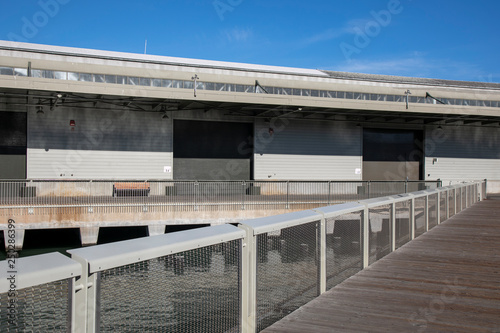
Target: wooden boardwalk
[(447, 280)]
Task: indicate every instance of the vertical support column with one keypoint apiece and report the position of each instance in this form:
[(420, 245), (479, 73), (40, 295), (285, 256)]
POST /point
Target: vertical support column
[(412, 219), (13, 239), (248, 281), (156, 229), (393, 227), (366, 238), (89, 235)]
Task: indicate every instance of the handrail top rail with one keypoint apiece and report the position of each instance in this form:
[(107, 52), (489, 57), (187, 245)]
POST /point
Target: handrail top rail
[(267, 224), (107, 256), (38, 269), (341, 209), (217, 181)]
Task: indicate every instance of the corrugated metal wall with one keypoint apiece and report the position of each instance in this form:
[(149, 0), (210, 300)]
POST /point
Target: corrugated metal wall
[(101, 145), (462, 153), (302, 149)]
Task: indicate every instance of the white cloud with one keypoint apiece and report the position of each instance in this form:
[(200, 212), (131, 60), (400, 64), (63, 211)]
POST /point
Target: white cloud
[(417, 65), (350, 28), (238, 34)]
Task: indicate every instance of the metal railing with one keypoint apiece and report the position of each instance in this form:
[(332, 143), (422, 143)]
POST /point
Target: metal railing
[(74, 198), (222, 278)]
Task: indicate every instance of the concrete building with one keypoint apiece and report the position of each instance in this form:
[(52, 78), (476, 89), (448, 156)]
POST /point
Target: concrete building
[(68, 113)]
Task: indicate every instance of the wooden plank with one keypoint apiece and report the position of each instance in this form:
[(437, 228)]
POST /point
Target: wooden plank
[(447, 280)]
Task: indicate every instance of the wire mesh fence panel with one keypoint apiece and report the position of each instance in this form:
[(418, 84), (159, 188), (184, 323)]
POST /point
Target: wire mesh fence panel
[(306, 195), (43, 308), (380, 232), (287, 271), (382, 189), (419, 186), (451, 203), (458, 200), (192, 291), (72, 200), (268, 195), (420, 213), (402, 223), (443, 197), (341, 192), (225, 196), (432, 211), (343, 247), (464, 198)]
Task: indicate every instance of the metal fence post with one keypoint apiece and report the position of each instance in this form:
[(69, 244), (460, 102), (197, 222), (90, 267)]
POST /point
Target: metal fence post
[(243, 195), (447, 204), (329, 192), (287, 194), (248, 281), (196, 190), (85, 296), (426, 213), (438, 205), (366, 238), (322, 256), (455, 201), (485, 189), (393, 226), (412, 219)]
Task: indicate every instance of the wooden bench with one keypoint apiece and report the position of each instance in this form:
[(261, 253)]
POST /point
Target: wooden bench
[(130, 189)]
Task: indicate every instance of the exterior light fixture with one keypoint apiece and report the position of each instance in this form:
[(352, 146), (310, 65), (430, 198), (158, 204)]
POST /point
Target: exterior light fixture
[(195, 78), (39, 109), (54, 104), (271, 131), (407, 93), (164, 110)]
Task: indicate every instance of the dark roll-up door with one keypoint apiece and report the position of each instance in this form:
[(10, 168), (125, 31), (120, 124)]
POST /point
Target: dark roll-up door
[(211, 150), (390, 154), (13, 145)]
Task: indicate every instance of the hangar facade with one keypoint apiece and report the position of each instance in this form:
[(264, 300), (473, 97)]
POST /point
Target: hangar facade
[(75, 114)]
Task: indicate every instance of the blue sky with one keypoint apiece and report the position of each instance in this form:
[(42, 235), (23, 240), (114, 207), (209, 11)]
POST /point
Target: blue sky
[(445, 39)]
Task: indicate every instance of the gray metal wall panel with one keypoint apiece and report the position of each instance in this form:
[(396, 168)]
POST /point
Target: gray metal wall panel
[(211, 169), (102, 145), (312, 150), (462, 153), (12, 166)]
